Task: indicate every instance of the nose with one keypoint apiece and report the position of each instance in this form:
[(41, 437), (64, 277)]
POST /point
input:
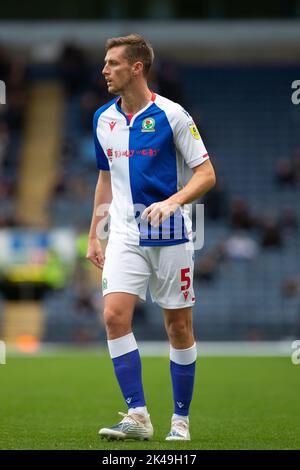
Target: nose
[(104, 70)]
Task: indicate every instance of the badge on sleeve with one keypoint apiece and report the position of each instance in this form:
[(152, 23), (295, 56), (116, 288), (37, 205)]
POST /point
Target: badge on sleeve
[(193, 130)]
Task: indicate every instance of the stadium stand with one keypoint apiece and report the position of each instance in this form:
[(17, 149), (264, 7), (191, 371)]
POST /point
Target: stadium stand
[(40, 152)]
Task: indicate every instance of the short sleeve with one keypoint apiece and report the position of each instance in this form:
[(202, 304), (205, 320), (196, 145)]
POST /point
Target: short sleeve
[(102, 162), (188, 140)]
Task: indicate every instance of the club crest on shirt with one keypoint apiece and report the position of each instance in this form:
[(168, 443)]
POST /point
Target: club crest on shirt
[(148, 125), (193, 130)]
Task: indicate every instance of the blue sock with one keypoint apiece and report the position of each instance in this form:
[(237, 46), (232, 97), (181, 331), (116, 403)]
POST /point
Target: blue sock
[(182, 366), (127, 364)]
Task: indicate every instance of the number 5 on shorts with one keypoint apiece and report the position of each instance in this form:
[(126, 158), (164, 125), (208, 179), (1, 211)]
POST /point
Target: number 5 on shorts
[(185, 278)]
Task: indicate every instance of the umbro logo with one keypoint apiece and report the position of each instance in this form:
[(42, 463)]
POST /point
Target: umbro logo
[(112, 125), (181, 405), (185, 294), (128, 400)]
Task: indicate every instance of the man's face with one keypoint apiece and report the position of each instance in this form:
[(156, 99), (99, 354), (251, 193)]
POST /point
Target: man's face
[(117, 71)]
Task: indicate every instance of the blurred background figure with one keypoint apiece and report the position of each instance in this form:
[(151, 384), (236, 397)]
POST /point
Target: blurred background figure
[(241, 246)]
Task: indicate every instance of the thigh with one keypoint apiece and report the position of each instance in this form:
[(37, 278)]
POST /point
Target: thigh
[(118, 301), (171, 282), (125, 270)]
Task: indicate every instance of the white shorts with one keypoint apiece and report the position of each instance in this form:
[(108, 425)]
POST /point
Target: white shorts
[(168, 270)]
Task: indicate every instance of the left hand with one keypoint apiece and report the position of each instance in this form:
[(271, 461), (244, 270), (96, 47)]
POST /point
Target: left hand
[(158, 212)]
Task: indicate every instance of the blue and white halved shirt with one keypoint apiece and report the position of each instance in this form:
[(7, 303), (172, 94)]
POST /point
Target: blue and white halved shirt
[(146, 155)]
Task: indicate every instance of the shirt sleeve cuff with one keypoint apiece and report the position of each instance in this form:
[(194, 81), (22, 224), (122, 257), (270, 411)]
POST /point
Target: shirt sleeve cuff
[(198, 161)]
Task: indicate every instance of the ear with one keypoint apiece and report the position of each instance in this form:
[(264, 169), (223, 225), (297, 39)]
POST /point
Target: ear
[(137, 68)]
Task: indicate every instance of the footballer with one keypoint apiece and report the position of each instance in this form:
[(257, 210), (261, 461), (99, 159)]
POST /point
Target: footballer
[(142, 141)]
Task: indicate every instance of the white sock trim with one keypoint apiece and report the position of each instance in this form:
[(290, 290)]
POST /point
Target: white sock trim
[(123, 345), (179, 417), (183, 357), (140, 410)]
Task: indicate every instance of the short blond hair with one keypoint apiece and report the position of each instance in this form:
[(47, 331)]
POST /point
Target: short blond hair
[(137, 49)]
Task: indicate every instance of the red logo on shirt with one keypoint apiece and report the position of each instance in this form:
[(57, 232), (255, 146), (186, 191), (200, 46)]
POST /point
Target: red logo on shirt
[(112, 125), (110, 154), (149, 152)]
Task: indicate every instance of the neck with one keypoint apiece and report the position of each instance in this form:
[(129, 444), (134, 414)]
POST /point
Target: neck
[(133, 100)]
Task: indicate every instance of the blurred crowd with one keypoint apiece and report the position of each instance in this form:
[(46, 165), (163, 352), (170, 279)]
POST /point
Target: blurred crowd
[(249, 232), (13, 71), (287, 172)]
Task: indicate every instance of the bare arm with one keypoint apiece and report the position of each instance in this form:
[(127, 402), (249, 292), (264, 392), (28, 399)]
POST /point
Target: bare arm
[(103, 196), (201, 182)]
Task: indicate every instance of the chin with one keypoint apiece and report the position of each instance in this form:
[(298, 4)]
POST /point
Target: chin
[(113, 90)]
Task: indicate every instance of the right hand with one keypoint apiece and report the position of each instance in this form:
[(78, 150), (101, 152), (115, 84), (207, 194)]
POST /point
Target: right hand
[(95, 254)]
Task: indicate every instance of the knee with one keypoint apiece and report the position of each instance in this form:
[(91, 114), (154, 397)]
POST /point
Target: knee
[(113, 319), (179, 330)]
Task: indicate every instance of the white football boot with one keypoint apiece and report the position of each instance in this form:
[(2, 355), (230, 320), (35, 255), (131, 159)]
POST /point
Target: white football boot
[(134, 426), (179, 430)]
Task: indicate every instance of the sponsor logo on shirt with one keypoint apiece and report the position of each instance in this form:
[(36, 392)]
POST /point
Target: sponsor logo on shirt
[(193, 130), (109, 154), (148, 152), (148, 125)]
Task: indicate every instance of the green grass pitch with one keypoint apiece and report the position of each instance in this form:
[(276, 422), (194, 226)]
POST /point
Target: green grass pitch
[(60, 402)]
